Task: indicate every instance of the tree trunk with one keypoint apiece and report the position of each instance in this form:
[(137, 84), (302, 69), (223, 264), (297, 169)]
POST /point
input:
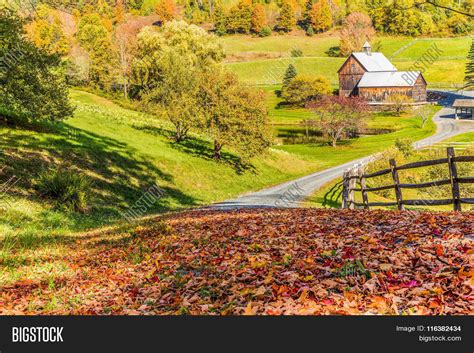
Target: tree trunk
[(217, 150)]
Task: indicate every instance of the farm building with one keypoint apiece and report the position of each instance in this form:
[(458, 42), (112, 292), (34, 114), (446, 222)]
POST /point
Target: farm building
[(373, 77)]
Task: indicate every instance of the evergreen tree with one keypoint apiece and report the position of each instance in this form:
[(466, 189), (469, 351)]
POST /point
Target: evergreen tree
[(469, 78), (290, 74), (287, 19), (220, 20)]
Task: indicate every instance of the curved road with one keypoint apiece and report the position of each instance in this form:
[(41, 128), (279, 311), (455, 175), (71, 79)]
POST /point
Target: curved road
[(291, 193)]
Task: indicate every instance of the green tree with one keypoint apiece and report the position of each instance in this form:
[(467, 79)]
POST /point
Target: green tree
[(290, 74), (235, 115), (167, 71), (32, 83), (96, 39), (220, 21), (320, 16), (176, 96), (302, 89), (287, 19)]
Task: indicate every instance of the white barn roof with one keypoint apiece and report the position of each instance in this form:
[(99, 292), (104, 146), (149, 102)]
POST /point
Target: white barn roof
[(374, 62), (389, 79)]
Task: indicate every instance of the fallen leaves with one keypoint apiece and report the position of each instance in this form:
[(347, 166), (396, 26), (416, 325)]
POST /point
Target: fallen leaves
[(266, 262)]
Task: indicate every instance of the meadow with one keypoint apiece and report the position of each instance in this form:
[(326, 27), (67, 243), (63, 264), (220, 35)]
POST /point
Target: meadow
[(263, 61)]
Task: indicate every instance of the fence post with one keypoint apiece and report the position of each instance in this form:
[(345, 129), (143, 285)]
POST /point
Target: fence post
[(352, 185), (396, 184), (363, 187), (345, 190), (453, 174)]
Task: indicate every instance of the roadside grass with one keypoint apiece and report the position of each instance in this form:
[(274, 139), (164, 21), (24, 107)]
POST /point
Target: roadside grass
[(330, 195), (327, 156)]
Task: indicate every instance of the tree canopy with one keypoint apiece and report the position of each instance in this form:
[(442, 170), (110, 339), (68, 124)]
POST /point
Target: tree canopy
[(32, 83)]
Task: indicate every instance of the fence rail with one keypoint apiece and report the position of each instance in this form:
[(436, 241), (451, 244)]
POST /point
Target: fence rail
[(353, 176)]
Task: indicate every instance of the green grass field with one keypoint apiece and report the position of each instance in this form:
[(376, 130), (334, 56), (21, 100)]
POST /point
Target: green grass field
[(404, 53)]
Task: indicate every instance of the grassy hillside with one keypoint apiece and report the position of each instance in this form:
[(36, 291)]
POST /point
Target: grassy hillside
[(264, 60)]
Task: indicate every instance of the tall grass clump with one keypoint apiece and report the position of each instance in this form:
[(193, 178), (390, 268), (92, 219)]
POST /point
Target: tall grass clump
[(66, 188)]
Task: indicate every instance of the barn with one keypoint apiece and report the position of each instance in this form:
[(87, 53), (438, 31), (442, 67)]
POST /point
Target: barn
[(373, 77)]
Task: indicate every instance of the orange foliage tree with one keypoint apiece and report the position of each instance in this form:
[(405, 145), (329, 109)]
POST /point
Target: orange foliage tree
[(259, 19), (166, 10)]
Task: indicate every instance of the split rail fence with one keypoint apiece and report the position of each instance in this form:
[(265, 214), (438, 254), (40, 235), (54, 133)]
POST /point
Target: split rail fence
[(352, 177)]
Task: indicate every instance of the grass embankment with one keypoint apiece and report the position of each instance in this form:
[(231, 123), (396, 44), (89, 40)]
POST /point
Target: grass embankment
[(124, 153), (264, 60)]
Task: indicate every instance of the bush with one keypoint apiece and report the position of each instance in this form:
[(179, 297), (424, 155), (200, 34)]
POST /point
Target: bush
[(67, 188), (404, 145), (310, 31), (301, 90), (296, 53), (265, 32)]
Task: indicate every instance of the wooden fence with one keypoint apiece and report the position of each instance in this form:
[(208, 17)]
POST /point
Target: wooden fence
[(351, 178)]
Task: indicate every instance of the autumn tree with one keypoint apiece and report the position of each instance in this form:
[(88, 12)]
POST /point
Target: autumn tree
[(336, 116), (235, 115), (239, 19), (259, 20), (119, 13), (46, 32), (320, 16), (357, 29), (125, 47), (166, 10), (290, 74), (300, 90), (32, 83), (287, 19)]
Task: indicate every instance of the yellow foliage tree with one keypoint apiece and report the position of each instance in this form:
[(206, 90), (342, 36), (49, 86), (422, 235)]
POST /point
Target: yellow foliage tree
[(320, 16), (46, 31)]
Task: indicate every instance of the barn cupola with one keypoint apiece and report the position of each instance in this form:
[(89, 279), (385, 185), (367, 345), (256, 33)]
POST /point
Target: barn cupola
[(367, 48)]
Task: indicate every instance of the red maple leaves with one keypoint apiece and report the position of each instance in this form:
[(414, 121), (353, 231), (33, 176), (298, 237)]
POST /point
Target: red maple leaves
[(269, 262)]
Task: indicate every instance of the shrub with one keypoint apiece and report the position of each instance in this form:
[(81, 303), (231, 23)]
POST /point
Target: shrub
[(310, 31), (67, 188), (296, 53), (301, 90), (404, 145), (265, 32)]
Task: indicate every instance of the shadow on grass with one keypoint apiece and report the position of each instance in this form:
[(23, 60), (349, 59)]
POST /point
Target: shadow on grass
[(201, 149), (119, 175)]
